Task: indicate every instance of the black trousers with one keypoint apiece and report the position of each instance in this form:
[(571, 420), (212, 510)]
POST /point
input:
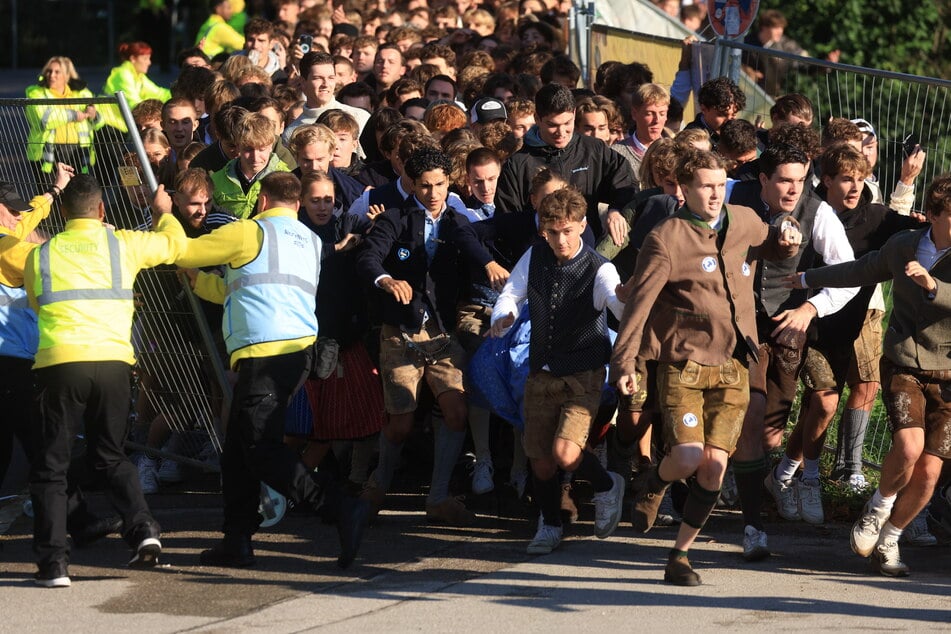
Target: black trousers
[(92, 396), (18, 418), (16, 408), (254, 450)]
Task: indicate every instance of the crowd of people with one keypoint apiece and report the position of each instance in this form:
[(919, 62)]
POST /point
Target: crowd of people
[(413, 214)]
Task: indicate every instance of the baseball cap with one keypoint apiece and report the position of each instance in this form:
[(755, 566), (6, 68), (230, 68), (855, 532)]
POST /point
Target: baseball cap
[(346, 29), (11, 199), (865, 127), (487, 109)]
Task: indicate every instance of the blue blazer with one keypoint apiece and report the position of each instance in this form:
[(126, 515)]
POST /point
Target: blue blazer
[(395, 246)]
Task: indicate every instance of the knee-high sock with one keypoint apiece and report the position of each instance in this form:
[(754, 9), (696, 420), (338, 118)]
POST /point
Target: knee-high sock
[(389, 461), (448, 447), (360, 457), (519, 459), (591, 470), (854, 425), (479, 427), (699, 505), (548, 497), (749, 476)]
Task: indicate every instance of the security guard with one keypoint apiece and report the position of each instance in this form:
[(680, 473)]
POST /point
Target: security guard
[(80, 285), (18, 340), (270, 325)]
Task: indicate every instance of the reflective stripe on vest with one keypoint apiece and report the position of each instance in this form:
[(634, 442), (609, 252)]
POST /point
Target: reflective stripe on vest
[(49, 296), (11, 299), (273, 265), (18, 330)]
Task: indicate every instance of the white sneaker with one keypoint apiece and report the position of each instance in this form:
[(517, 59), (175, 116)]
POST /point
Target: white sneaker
[(483, 477), (917, 533), (887, 560), (148, 475), (754, 544), (809, 493), (866, 530), (53, 576), (518, 480), (170, 472), (784, 492), (857, 482), (608, 506), (546, 539)]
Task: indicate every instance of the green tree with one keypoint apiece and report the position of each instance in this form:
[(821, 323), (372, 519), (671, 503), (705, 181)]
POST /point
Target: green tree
[(908, 36)]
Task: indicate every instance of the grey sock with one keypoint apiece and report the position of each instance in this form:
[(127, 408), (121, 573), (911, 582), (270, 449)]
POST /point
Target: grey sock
[(446, 454), (854, 425), (519, 460), (479, 428), (389, 461), (360, 457)]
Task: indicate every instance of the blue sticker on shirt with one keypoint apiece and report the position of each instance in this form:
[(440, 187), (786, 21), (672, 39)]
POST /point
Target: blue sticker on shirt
[(403, 254), (709, 264), (746, 269)]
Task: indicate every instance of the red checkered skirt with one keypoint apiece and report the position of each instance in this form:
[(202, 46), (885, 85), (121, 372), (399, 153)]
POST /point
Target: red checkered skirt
[(346, 405)]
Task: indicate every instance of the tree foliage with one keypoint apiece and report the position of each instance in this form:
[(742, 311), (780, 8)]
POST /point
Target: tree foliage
[(908, 36)]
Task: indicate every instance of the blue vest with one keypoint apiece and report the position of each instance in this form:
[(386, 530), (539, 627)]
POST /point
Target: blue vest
[(273, 297), (19, 334)]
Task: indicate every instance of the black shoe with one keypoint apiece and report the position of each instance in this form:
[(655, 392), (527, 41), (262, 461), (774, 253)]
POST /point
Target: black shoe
[(354, 514), (95, 530), (54, 575), (680, 573), (233, 551)]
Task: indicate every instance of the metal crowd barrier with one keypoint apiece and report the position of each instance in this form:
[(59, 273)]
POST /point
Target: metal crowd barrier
[(181, 379)]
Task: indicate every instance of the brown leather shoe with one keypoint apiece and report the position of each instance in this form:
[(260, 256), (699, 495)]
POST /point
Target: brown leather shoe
[(450, 511), (569, 510), (646, 505), (679, 572)]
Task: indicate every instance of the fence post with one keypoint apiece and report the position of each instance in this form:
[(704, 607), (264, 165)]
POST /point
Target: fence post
[(137, 141), (203, 328)]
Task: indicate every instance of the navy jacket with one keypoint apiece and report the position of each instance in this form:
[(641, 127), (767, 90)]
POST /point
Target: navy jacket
[(396, 247), (346, 188), (509, 235)]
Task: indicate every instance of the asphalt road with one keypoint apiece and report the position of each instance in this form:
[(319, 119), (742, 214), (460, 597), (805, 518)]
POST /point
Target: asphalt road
[(414, 577)]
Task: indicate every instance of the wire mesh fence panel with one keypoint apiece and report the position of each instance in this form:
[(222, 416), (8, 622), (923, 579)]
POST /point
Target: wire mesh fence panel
[(180, 390), (902, 108)]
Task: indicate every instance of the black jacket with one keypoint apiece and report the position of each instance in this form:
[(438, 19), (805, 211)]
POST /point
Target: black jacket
[(599, 173), (508, 236), (376, 174), (342, 311), (868, 227), (396, 247)]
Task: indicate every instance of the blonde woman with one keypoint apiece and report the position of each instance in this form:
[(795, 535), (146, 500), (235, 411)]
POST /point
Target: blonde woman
[(61, 133)]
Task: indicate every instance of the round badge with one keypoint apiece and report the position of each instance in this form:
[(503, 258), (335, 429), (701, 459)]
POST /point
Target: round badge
[(402, 254), (690, 420), (746, 269), (709, 264)]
